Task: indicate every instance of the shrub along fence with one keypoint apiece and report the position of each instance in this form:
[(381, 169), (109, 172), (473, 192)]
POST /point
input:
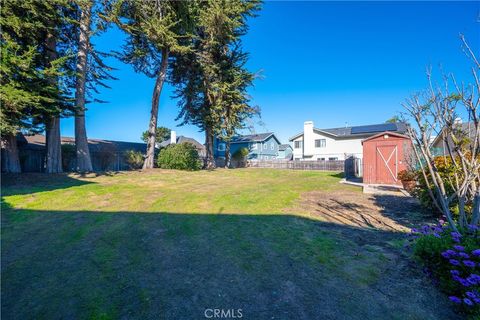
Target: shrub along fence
[(332, 165)]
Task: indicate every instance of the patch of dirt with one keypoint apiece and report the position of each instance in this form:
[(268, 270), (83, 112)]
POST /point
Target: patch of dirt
[(382, 212)]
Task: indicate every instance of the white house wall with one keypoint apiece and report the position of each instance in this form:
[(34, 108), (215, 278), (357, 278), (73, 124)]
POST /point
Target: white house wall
[(334, 148)]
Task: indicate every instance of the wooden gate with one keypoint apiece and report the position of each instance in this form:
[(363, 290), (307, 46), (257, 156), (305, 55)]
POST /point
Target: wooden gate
[(387, 164)]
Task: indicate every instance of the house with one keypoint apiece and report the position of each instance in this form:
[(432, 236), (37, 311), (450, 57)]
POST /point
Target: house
[(285, 151), (106, 155), (441, 143), (261, 146), (182, 139), (337, 143)]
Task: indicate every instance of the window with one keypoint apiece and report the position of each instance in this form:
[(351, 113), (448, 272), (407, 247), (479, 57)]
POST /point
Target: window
[(321, 159), (333, 158), (265, 146), (320, 143), (221, 146), (272, 147), (254, 146), (298, 144)]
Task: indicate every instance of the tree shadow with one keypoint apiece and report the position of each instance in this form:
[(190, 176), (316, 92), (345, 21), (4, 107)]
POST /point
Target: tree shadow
[(137, 265), (405, 210), (27, 183)]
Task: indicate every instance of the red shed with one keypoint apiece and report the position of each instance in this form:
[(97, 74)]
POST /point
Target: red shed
[(384, 155)]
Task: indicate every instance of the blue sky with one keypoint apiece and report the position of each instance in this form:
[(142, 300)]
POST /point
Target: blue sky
[(329, 62)]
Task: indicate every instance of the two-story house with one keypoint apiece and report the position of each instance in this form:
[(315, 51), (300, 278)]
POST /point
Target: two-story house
[(261, 146), (336, 143)]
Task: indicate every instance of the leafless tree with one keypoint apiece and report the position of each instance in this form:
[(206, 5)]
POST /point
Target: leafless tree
[(435, 113)]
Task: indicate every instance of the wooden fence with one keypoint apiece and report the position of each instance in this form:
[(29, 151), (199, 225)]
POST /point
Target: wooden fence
[(334, 165)]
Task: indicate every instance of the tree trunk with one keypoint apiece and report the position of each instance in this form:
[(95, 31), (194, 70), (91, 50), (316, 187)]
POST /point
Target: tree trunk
[(54, 147), (11, 161), (476, 208), (84, 162), (227, 155), (210, 159), (149, 158)]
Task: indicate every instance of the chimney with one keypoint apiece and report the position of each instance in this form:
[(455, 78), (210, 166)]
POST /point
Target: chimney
[(173, 137), (308, 139)]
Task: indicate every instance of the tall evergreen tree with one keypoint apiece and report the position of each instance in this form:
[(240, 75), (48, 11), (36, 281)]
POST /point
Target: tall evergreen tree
[(212, 81), (155, 30), (31, 95)]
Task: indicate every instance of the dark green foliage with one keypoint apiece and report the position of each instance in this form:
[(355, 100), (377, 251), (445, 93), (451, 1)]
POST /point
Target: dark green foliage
[(182, 156), (161, 134), (134, 159), (28, 94), (212, 79), (241, 154)]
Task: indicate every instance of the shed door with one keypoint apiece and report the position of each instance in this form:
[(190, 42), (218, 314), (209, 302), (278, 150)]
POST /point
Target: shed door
[(387, 164)]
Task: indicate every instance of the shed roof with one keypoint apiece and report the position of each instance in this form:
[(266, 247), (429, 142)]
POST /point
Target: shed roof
[(395, 134)]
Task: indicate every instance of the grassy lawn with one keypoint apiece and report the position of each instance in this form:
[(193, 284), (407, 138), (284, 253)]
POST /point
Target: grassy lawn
[(170, 244)]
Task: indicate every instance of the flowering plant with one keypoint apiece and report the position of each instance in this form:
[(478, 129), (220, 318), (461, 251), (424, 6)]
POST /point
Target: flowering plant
[(452, 259)]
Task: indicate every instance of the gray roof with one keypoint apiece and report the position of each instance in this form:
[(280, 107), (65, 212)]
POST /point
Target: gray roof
[(182, 139), (37, 142), (360, 131), (283, 147), (468, 128), (259, 137)]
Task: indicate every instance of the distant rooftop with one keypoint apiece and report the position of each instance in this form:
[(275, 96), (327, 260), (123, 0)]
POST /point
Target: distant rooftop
[(283, 147), (182, 139), (37, 141), (258, 137)]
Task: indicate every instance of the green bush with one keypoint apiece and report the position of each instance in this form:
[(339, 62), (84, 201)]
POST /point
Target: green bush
[(241, 154), (183, 156), (134, 159)]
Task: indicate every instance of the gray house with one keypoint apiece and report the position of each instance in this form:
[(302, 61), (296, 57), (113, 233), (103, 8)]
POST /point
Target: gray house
[(285, 151), (182, 139), (262, 146)]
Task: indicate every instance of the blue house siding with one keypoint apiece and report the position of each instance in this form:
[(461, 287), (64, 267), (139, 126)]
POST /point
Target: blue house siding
[(285, 152), (261, 150)]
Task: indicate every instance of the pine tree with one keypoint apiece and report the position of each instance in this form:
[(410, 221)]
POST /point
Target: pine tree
[(212, 80), (155, 30), (31, 96)]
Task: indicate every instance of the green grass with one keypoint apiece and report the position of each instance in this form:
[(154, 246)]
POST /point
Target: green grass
[(227, 191), (168, 244)]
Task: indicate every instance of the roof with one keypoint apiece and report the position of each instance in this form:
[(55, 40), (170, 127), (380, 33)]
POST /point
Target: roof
[(467, 127), (394, 134), (284, 147), (258, 137), (37, 142), (182, 139), (359, 131)]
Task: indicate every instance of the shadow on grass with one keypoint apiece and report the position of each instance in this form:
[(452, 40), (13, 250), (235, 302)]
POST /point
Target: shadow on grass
[(27, 183), (146, 265)]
